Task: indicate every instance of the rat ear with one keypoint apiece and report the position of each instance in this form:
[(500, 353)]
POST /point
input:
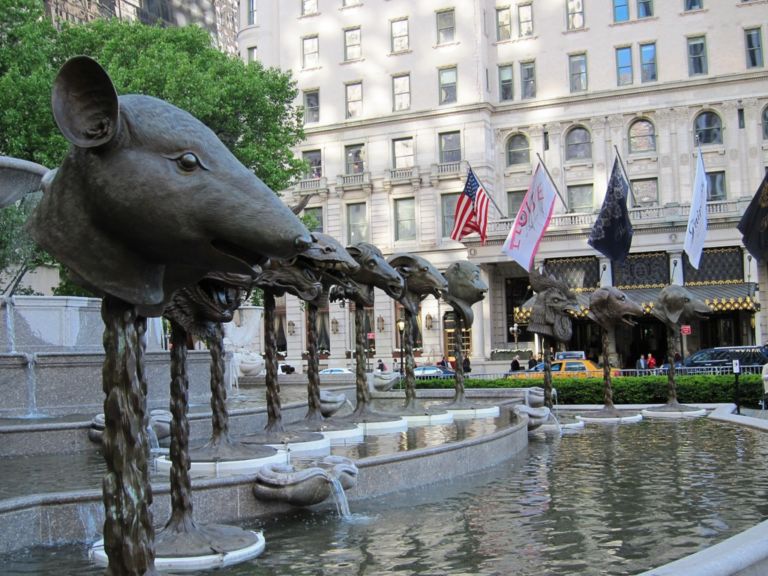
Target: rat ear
[(84, 103)]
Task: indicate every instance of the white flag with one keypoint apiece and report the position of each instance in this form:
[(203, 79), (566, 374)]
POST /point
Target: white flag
[(697, 219), (532, 220)]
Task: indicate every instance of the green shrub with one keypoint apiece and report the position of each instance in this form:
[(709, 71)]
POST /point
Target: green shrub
[(631, 389)]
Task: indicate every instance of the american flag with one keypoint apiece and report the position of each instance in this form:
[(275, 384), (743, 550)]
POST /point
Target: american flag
[(471, 210)]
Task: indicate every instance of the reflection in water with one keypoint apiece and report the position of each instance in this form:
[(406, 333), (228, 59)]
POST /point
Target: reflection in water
[(611, 500)]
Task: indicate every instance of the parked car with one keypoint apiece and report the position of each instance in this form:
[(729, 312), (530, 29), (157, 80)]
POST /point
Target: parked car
[(427, 372), (565, 369), (721, 359), (336, 371)]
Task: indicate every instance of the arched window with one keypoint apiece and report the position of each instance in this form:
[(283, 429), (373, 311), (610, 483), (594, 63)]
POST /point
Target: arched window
[(642, 136), (765, 123), (578, 144), (708, 128), (518, 151)]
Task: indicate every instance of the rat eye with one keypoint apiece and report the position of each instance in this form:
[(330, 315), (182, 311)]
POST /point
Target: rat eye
[(188, 162)]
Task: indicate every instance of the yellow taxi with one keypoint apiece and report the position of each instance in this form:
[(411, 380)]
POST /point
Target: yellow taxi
[(569, 368)]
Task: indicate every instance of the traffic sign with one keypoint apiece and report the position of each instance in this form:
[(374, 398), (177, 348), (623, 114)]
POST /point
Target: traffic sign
[(685, 329)]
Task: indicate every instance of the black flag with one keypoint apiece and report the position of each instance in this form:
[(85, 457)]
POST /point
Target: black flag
[(612, 232), (754, 223)]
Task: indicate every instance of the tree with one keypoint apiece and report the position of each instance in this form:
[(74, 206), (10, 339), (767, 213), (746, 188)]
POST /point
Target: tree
[(250, 107)]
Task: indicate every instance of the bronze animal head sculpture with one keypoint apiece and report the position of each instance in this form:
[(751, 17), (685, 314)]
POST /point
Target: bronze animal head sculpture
[(676, 305), (148, 199), (554, 299), (465, 287), (420, 278), (608, 306), (373, 271)]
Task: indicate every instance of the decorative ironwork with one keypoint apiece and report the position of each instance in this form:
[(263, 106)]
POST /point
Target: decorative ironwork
[(581, 274), (647, 270), (717, 266)]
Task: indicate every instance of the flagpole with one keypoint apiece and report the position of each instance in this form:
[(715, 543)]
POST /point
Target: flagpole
[(489, 196), (626, 176), (541, 161)]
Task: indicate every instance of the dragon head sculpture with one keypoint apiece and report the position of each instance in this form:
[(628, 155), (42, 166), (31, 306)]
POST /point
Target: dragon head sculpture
[(608, 306), (554, 300), (675, 305), (465, 287)]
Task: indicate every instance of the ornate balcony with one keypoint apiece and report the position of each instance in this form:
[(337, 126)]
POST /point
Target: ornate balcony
[(400, 176), (359, 181), (312, 186)]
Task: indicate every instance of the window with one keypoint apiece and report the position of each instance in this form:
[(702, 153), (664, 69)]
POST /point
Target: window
[(447, 85), (694, 4), (764, 119), (308, 7), (646, 191), (353, 159), (311, 106), (528, 79), (310, 52), (580, 198), (644, 8), (446, 27), (514, 201), (753, 40), (252, 54), (313, 219), (642, 136), (715, 186), (577, 66), (575, 14), (620, 10), (503, 23), (357, 223), (401, 92), (400, 40), (313, 158), (352, 47), (251, 12), (518, 150), (448, 210), (402, 153), (525, 20), (354, 95), (624, 66), (697, 56), (405, 219), (578, 144), (505, 82), (648, 62), (450, 147), (708, 128)]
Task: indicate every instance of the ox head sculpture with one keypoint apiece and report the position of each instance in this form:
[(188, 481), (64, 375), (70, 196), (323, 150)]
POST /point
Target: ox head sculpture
[(148, 199), (420, 279), (550, 313), (608, 306), (675, 305), (465, 287)]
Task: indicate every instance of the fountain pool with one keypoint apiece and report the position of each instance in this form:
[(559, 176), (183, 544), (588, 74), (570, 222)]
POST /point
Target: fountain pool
[(609, 500)]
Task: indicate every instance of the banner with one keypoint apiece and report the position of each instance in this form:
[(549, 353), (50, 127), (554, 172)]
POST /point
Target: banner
[(612, 232), (754, 224), (532, 220), (697, 219)]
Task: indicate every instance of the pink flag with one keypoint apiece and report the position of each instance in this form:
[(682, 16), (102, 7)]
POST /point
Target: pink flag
[(532, 220)]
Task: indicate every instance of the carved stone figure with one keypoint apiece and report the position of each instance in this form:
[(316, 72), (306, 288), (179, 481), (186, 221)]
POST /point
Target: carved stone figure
[(420, 279), (550, 319), (147, 201), (608, 306), (465, 288), (373, 272), (674, 306)]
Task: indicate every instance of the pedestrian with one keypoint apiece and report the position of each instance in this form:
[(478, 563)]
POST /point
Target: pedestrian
[(641, 364), (531, 362), (381, 367), (466, 365), (515, 364), (443, 362), (651, 361)]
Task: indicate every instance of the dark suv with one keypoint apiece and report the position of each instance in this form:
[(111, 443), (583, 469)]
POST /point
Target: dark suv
[(722, 357)]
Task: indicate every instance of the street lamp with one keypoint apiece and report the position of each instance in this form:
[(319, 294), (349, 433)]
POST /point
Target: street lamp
[(401, 328)]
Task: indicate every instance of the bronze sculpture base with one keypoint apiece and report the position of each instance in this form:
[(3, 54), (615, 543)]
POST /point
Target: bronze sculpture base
[(201, 540), (229, 451)]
